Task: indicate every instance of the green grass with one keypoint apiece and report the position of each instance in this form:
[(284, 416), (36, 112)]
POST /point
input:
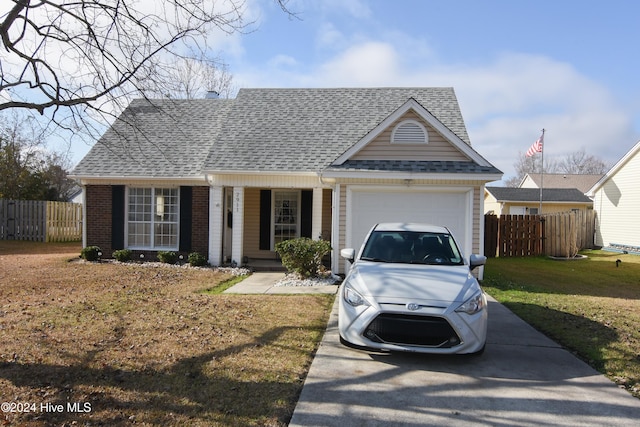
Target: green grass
[(590, 306), (224, 285)]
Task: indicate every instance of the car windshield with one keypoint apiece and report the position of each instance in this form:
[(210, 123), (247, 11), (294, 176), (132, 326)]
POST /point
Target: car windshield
[(412, 247)]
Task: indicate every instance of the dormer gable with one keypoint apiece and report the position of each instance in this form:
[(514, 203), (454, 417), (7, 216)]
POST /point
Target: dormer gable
[(411, 133)]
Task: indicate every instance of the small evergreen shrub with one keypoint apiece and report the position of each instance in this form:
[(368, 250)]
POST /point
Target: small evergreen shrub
[(303, 256), (168, 257), (90, 253), (196, 259), (122, 255)]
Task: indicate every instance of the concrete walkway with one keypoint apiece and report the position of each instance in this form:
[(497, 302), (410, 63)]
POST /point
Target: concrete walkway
[(522, 379), (263, 283)]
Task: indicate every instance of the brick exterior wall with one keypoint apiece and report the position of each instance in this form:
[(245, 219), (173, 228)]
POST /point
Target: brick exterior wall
[(99, 227), (200, 221)]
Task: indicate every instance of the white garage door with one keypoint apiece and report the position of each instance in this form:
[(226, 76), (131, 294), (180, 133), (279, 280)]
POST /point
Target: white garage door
[(451, 208)]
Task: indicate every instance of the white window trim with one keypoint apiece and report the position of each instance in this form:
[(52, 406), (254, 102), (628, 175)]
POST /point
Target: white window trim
[(415, 142), (152, 237), (273, 211)]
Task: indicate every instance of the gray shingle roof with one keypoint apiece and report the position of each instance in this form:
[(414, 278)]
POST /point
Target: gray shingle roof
[(415, 166), (291, 130), (307, 129), (160, 138), (582, 182), (509, 194)]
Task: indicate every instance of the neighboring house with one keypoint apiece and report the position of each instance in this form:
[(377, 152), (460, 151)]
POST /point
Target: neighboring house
[(616, 200), (526, 201), (232, 177), (76, 195), (560, 180)]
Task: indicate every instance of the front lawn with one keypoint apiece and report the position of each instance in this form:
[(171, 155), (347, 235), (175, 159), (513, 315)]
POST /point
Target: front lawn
[(119, 345), (591, 306)]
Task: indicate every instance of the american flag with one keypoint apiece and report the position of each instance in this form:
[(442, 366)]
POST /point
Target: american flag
[(536, 147)]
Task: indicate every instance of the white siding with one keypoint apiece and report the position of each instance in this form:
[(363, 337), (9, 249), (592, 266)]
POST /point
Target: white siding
[(438, 148), (528, 183), (617, 203)]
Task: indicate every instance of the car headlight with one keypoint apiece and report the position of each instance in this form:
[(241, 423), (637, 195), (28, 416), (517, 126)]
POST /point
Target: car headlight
[(353, 298), (473, 305)]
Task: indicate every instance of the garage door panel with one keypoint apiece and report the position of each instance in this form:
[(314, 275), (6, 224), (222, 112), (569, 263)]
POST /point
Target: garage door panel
[(367, 208)]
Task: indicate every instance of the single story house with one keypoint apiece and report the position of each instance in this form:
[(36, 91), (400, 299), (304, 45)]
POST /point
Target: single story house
[(230, 178), (526, 201), (616, 200), (582, 182)]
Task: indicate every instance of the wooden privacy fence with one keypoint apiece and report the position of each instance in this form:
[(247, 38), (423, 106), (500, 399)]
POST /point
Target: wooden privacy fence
[(568, 232), (519, 235), (42, 221), (560, 234)]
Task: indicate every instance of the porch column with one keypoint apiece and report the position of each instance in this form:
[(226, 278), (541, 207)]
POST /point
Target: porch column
[(238, 225), (316, 214), (216, 222), (335, 231)]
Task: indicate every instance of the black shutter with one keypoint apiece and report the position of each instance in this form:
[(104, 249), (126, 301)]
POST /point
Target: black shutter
[(265, 220), (186, 214), (117, 217), (306, 208)]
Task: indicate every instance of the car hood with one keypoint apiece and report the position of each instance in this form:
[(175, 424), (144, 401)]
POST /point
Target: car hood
[(391, 281)]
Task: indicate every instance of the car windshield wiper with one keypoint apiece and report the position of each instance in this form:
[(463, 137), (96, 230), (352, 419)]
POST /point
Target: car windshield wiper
[(366, 258)]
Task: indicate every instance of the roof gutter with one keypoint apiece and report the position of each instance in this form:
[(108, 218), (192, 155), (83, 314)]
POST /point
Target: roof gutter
[(84, 179), (413, 175)]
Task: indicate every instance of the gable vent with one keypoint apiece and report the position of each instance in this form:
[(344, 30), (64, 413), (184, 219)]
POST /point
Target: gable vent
[(409, 132)]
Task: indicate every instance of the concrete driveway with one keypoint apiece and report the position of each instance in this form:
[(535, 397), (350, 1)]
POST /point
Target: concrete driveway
[(522, 379)]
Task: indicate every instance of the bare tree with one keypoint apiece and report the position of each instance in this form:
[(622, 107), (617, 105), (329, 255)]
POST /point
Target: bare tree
[(525, 164), (580, 162), (68, 59), (193, 78)]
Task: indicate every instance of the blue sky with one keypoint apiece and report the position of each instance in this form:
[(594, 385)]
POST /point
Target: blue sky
[(569, 66)]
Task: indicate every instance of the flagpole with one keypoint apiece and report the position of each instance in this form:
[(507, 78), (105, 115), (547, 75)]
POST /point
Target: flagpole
[(541, 172)]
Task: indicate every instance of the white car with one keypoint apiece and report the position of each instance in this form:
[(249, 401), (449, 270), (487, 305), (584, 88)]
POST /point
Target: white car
[(410, 289)]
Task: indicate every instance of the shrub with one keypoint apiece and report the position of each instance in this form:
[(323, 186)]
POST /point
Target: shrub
[(196, 259), (168, 257), (122, 255), (91, 253), (303, 256)]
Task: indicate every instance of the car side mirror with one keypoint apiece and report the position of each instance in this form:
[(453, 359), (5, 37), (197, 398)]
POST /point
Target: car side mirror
[(348, 253), (476, 261)]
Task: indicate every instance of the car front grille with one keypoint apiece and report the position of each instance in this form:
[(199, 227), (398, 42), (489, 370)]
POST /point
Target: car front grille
[(405, 329)]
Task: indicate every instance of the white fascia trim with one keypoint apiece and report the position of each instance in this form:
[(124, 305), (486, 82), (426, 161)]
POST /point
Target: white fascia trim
[(85, 180), (632, 152), (544, 202), (261, 172), (411, 175), (412, 104)]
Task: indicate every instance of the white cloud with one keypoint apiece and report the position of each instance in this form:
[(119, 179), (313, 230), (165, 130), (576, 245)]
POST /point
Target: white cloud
[(366, 64), (282, 61), (505, 101), (328, 36)]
